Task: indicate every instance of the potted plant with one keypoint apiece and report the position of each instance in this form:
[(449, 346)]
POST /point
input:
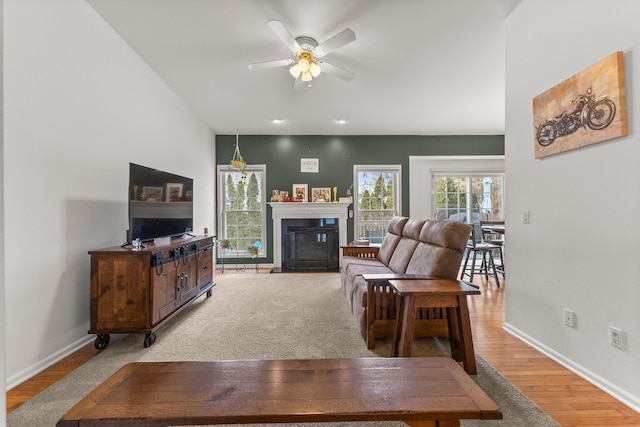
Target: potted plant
[(223, 244), (253, 251)]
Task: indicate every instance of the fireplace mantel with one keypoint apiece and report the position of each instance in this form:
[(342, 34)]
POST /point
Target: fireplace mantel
[(293, 210)]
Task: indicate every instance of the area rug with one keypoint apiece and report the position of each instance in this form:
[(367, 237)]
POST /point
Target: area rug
[(264, 316)]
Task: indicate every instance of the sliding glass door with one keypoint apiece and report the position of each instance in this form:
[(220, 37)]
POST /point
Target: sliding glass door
[(469, 198)]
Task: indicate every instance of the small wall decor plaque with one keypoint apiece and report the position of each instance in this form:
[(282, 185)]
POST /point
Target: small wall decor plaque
[(309, 165), (585, 109)]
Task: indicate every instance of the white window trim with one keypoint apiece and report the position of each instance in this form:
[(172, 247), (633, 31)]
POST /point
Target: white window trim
[(221, 203), (376, 168), (422, 169)]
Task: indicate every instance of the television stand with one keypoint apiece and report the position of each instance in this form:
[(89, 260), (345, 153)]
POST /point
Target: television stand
[(137, 291)]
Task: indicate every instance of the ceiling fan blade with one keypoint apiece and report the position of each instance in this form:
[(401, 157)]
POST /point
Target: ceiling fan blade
[(343, 38), (270, 64), (283, 34), (334, 70)]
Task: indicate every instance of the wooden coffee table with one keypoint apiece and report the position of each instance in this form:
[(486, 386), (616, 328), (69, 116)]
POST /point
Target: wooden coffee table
[(431, 391), (450, 294)]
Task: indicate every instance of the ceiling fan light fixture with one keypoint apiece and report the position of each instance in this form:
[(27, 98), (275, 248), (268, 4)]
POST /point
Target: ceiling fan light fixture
[(304, 65), (295, 70), (315, 69), (306, 76)]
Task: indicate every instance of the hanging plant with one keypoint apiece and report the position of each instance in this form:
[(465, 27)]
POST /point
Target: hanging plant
[(238, 163)]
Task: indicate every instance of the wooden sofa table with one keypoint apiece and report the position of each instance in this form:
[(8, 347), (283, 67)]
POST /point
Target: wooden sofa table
[(450, 294), (431, 391)]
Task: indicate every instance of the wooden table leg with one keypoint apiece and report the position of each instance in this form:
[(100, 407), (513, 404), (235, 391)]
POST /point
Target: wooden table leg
[(405, 327), (397, 331), (460, 337)]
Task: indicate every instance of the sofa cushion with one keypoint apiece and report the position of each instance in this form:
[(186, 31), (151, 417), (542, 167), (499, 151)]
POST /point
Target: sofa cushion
[(389, 244), (390, 241), (413, 228), (439, 253), (358, 268), (448, 234), (396, 225), (434, 261), (402, 254)]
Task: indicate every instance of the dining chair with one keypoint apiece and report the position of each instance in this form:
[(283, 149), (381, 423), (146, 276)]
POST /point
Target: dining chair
[(477, 246), (495, 238)]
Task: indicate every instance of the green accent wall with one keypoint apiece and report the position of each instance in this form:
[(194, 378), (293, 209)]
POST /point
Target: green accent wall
[(338, 154)]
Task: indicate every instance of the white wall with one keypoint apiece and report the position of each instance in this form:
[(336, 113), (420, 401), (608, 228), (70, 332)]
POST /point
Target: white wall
[(3, 376), (580, 249), (79, 105)]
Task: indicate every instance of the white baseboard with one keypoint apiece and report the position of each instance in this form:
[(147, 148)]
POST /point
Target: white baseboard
[(43, 364), (616, 392)]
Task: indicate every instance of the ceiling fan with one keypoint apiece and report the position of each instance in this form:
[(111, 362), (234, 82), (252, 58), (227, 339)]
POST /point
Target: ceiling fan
[(306, 61)]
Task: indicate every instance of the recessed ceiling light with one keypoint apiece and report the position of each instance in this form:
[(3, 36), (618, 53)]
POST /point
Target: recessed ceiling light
[(342, 121), (277, 121)]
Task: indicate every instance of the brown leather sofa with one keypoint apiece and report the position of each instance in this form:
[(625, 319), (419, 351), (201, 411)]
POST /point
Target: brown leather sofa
[(413, 248)]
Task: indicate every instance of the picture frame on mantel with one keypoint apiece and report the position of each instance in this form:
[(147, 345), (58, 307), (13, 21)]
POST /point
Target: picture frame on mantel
[(587, 108), (300, 192), (321, 194)]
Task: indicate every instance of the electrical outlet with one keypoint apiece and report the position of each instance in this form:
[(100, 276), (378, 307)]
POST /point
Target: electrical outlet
[(569, 318), (616, 337), (525, 217)]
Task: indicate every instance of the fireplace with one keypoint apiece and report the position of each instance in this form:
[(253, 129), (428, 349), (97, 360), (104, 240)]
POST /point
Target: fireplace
[(333, 214), (310, 244)]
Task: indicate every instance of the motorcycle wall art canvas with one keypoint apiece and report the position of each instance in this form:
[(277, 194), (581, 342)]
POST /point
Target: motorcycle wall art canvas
[(585, 109)]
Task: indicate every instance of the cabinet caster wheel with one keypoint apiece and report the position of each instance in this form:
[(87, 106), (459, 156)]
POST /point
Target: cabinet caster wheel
[(102, 341), (149, 339), (209, 293)]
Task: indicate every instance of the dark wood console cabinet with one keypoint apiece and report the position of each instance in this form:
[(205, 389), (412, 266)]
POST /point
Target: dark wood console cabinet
[(136, 291)]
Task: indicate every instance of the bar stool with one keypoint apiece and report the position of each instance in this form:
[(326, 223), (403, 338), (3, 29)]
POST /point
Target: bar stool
[(476, 246)]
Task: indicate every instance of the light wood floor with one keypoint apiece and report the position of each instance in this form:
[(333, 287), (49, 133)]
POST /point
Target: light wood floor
[(567, 398)]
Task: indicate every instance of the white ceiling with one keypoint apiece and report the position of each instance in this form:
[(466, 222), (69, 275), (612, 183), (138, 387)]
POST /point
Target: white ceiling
[(422, 67)]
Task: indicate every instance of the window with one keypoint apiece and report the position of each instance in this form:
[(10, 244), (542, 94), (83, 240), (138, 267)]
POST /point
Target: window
[(377, 199), (423, 171), (469, 198), (243, 205)]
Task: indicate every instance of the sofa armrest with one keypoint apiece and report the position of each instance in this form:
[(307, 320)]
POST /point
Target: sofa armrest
[(360, 251), (385, 277), (380, 278)]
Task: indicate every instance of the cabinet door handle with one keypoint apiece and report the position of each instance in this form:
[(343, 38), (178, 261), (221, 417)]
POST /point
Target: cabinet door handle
[(177, 252)]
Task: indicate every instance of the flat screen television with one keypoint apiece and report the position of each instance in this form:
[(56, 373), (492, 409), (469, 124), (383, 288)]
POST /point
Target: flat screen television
[(160, 204)]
